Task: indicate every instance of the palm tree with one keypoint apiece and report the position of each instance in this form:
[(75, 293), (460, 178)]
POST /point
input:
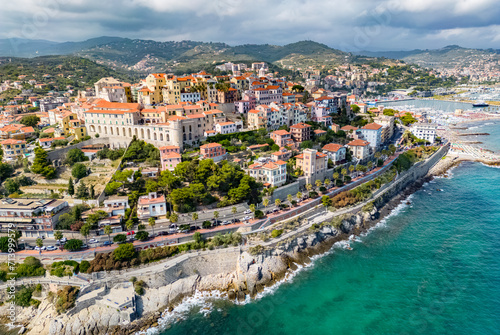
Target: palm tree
[(289, 198), (369, 165), (343, 172), (85, 231), (277, 202), (252, 208), (234, 210), (108, 231), (299, 195), (129, 224), (265, 202), (335, 176), (58, 235), (351, 169), (152, 222), (309, 187), (378, 155), (216, 215), (327, 182), (318, 183)]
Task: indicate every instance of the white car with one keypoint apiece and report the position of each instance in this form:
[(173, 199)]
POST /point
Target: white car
[(93, 240), (246, 218), (42, 248), (51, 248), (64, 239), (226, 222), (247, 211)]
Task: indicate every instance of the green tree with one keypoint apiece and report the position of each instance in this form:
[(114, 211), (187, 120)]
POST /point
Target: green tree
[(234, 210), (152, 223), (216, 215), (108, 230), (120, 238), (318, 183), (73, 245), (71, 187), (39, 242), (30, 120), (82, 192), (299, 196), (124, 251), (355, 109), (79, 171), (197, 237), (252, 208), (174, 218), (142, 235), (75, 155), (129, 224), (265, 202), (344, 173), (289, 198), (12, 186), (85, 231), (351, 169), (309, 187), (58, 235), (326, 201), (327, 182), (41, 164), (277, 202)]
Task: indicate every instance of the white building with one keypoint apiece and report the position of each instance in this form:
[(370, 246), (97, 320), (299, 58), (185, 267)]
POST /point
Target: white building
[(372, 133), (225, 128), (190, 97), (270, 173), (424, 131), (151, 205), (335, 152)]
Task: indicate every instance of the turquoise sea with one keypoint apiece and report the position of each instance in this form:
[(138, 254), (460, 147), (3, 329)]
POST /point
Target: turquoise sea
[(432, 267)]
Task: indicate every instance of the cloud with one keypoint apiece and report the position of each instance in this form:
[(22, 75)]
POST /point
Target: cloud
[(350, 25)]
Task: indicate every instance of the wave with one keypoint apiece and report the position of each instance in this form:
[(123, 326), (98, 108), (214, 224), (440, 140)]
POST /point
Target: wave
[(491, 166), (203, 301)]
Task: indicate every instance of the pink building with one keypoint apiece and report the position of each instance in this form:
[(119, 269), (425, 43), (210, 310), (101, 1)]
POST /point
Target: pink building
[(213, 151)]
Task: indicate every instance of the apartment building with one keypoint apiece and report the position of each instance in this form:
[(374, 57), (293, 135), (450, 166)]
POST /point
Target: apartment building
[(270, 173), (213, 151), (300, 132), (313, 163)]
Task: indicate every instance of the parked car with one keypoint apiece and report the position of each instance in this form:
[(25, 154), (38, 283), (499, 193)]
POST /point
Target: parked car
[(84, 246), (131, 232), (236, 220), (51, 248), (276, 210), (63, 240), (42, 248), (163, 233), (107, 243), (246, 218), (247, 211), (93, 240)]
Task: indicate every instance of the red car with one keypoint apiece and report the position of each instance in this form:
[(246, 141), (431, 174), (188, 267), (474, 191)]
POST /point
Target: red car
[(131, 232)]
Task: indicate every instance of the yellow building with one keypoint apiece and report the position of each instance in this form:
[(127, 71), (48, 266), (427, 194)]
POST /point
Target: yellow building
[(65, 122), (155, 83), (13, 149), (77, 129)]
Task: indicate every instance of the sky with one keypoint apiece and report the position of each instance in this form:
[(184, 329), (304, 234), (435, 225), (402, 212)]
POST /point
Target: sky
[(349, 25)]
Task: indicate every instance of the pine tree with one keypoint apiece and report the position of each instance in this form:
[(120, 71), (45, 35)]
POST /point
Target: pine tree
[(82, 191), (71, 187), (92, 192)]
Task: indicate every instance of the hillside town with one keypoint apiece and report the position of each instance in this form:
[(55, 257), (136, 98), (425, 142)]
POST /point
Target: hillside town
[(117, 156)]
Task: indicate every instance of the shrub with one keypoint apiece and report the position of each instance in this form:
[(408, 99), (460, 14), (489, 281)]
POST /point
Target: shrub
[(259, 214), (66, 298), (120, 238), (258, 249), (207, 224), (22, 296), (124, 251), (84, 266), (276, 232), (142, 235), (73, 245), (79, 171)]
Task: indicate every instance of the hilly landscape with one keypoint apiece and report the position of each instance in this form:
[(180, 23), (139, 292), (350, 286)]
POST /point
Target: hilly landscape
[(447, 57), (184, 56)]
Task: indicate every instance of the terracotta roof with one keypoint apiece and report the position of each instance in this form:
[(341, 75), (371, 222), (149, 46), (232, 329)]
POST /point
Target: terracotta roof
[(280, 132), (347, 128), (319, 131), (372, 126), (358, 143), (210, 145), (166, 147), (12, 141), (300, 125), (170, 155), (332, 147)]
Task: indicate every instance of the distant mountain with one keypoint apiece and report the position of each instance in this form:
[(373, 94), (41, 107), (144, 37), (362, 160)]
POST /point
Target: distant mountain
[(449, 56), (148, 55)]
